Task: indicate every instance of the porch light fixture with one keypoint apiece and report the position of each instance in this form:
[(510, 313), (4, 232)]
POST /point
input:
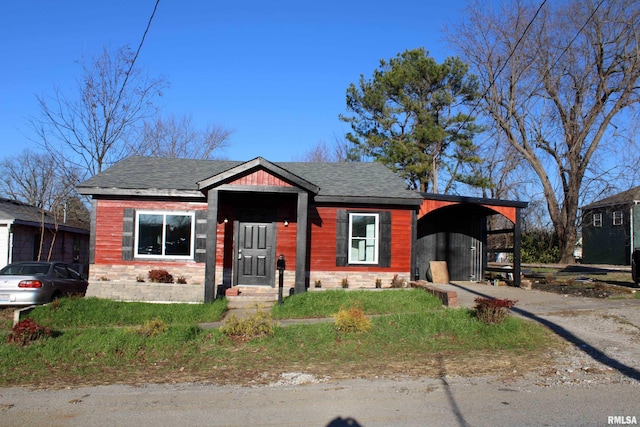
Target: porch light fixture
[(226, 220), (286, 223)]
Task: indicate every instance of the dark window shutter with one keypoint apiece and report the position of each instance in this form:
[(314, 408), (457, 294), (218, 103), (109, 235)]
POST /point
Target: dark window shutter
[(127, 234), (201, 236), (342, 238), (384, 250)]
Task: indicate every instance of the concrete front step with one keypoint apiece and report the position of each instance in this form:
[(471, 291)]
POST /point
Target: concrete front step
[(249, 302)]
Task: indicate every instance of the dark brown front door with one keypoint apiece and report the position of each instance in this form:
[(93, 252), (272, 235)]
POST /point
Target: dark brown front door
[(255, 255)]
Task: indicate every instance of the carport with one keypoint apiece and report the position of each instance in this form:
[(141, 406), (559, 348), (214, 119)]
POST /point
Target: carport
[(456, 229)]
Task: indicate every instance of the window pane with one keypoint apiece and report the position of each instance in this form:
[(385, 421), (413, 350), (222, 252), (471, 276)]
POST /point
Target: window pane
[(363, 226), (150, 234), (363, 239), (178, 235)]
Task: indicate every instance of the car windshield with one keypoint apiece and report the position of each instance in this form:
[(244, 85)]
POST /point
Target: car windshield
[(25, 270)]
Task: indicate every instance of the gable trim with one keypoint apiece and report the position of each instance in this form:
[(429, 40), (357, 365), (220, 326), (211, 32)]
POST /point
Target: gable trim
[(257, 163)]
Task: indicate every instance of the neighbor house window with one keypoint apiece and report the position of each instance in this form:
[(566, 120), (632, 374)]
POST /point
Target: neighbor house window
[(597, 219), (617, 218), (363, 238), (164, 234)]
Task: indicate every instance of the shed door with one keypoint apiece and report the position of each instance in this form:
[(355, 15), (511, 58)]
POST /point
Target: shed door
[(255, 257)]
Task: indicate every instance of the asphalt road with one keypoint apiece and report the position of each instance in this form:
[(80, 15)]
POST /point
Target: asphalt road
[(597, 383)]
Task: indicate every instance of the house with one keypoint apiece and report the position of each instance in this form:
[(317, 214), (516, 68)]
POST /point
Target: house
[(221, 225), (28, 233), (611, 229)]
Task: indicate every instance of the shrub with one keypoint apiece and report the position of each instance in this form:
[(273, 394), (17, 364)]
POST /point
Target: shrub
[(257, 325), (160, 276), (378, 283), (26, 331), (181, 280), (318, 283), (351, 319), (153, 327), (345, 283), (397, 281), (492, 311)]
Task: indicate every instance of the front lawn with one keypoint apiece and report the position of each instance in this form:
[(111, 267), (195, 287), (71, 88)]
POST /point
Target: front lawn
[(104, 342)]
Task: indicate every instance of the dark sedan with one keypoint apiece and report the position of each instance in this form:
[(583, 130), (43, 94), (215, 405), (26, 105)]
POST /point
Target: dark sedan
[(35, 282)]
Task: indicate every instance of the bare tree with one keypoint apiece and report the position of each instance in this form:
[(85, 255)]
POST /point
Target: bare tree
[(95, 124), (176, 137), (35, 180), (554, 79), (323, 152)]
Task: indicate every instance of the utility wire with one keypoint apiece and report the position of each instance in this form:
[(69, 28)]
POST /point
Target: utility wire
[(135, 57)]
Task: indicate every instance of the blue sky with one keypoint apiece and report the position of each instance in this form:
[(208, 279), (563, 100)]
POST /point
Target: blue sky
[(275, 72)]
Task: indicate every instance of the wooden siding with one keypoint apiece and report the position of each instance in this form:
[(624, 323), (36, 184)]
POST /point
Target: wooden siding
[(110, 214), (428, 206), (322, 254), (260, 177)]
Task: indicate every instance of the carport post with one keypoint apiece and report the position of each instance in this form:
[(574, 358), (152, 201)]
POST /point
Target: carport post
[(517, 239)]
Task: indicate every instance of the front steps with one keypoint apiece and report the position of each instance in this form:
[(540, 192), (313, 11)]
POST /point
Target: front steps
[(245, 300)]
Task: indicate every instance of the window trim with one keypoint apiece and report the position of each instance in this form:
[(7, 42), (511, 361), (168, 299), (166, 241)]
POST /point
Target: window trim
[(136, 229), (619, 215), (376, 238), (597, 219)]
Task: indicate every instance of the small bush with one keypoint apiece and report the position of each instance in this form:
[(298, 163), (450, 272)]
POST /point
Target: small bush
[(397, 281), (139, 279), (160, 276), (491, 311), (258, 325), (378, 283), (345, 283), (318, 283), (27, 331), (351, 319), (181, 280), (153, 327)]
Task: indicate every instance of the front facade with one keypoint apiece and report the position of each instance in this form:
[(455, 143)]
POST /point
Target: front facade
[(611, 229), (220, 225)]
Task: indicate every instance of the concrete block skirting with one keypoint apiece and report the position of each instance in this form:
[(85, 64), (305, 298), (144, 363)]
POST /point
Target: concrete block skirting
[(146, 292)]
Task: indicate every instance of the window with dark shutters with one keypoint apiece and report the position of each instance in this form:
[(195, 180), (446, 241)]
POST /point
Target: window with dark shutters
[(343, 237)]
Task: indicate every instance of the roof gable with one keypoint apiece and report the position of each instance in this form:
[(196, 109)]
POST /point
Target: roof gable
[(271, 174)]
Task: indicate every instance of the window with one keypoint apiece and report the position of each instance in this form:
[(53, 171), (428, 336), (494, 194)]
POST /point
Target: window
[(617, 218), (597, 219), (363, 238), (164, 234)]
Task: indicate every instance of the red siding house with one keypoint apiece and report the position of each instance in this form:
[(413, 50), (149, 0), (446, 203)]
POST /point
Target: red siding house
[(221, 225)]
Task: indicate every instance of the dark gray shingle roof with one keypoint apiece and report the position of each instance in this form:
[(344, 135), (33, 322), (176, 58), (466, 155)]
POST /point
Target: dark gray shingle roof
[(617, 199), (19, 212), (372, 180)]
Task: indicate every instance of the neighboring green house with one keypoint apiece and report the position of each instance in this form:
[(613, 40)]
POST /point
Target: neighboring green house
[(611, 229)]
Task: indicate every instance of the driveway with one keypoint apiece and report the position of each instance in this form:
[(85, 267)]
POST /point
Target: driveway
[(596, 382)]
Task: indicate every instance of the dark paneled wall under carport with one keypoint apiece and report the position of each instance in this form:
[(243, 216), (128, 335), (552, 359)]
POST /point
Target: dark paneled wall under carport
[(455, 234)]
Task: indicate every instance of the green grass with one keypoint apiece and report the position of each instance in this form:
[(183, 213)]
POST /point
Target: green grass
[(96, 341), (327, 303), (92, 312)]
